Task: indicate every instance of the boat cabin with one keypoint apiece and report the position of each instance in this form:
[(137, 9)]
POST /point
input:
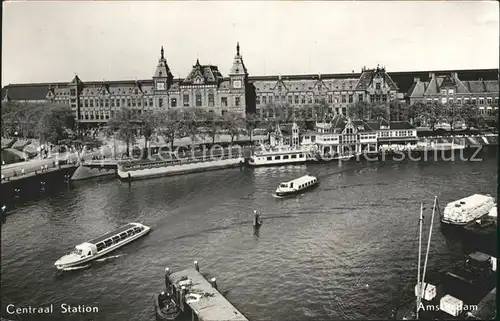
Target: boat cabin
[(299, 183), (110, 239), (85, 249)]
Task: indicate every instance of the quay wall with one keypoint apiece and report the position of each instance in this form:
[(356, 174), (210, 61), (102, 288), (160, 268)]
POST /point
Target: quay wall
[(169, 170), (84, 172), (31, 184)]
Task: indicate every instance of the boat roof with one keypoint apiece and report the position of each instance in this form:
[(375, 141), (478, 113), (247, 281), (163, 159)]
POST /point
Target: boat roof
[(112, 233), (472, 200), (479, 256), (302, 179)]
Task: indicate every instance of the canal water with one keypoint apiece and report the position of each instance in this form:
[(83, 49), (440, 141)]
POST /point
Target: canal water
[(345, 250)]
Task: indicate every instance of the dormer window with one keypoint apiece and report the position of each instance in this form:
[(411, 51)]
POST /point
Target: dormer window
[(319, 87), (443, 91), (279, 88), (377, 86), (160, 73), (136, 91), (451, 91)]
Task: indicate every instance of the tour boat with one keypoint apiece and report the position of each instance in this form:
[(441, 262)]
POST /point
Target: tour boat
[(93, 249), (467, 209), (297, 185), (280, 156)]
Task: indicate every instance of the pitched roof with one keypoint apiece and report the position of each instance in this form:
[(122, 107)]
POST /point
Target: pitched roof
[(400, 125), (25, 92), (368, 75)]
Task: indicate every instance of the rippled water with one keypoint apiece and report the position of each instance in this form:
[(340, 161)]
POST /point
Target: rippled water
[(345, 250)]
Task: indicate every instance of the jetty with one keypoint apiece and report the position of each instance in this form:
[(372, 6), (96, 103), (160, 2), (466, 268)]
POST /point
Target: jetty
[(194, 293)]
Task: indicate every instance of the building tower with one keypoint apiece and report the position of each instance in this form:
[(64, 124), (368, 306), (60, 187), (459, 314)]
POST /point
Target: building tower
[(162, 80), (238, 76), (75, 89)]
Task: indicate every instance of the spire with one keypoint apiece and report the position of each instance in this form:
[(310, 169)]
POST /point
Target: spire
[(162, 56), (238, 48)]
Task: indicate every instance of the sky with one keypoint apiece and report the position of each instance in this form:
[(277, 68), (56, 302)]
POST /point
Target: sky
[(121, 40)]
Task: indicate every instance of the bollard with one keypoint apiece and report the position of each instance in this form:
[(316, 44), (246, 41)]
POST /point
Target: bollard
[(213, 282), (196, 266), (181, 299)]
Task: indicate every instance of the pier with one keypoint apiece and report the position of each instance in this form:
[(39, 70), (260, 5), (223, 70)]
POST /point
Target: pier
[(201, 296)]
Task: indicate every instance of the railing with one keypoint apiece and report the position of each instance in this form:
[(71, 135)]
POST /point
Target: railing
[(182, 161)]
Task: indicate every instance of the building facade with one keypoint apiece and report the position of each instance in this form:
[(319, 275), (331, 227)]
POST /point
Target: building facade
[(96, 102), (442, 89), (206, 88)]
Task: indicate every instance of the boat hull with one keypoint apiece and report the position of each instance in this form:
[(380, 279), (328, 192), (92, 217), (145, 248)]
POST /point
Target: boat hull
[(104, 252), (163, 314)]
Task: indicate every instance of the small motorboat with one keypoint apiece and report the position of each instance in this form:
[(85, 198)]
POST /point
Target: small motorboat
[(165, 307), (297, 186)]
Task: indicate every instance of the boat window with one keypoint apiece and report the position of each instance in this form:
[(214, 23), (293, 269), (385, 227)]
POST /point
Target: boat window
[(301, 155), (291, 185), (294, 156), (77, 251), (116, 239), (130, 232), (277, 157), (123, 235), (137, 229), (108, 242), (89, 253), (269, 158), (285, 156), (283, 185), (100, 246)]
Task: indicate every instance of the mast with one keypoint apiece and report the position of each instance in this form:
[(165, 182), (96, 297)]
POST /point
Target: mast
[(428, 244), (419, 254)]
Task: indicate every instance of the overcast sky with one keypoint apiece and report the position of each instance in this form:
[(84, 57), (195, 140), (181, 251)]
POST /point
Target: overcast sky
[(51, 41)]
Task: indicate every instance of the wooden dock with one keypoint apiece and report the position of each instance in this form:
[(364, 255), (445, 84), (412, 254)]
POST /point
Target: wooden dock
[(202, 297)]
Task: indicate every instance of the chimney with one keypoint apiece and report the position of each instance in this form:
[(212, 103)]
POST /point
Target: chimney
[(454, 75), (432, 75), (416, 79)]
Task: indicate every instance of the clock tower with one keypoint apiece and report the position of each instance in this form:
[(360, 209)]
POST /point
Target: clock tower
[(162, 80), (238, 76)]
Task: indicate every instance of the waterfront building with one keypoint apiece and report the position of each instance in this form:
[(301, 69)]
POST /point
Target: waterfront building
[(94, 102), (447, 88), (343, 135)]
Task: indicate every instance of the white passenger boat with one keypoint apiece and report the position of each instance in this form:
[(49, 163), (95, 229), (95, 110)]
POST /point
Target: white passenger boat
[(280, 156), (93, 249), (467, 209), (297, 185)]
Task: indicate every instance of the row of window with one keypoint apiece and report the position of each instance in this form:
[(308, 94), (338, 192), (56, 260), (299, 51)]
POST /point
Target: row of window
[(133, 102), (303, 99), (399, 133), (320, 87), (466, 100), (117, 238), (279, 157), (199, 102), (307, 184)]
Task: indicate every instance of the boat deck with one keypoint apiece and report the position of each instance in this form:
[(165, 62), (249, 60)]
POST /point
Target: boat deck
[(107, 235), (211, 306)]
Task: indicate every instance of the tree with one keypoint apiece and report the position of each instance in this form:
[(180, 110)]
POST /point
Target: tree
[(468, 114), (250, 124), (149, 122), (378, 111), (169, 126), (53, 123), (213, 126), (359, 110), (126, 129), (416, 111), (233, 124), (190, 124)]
